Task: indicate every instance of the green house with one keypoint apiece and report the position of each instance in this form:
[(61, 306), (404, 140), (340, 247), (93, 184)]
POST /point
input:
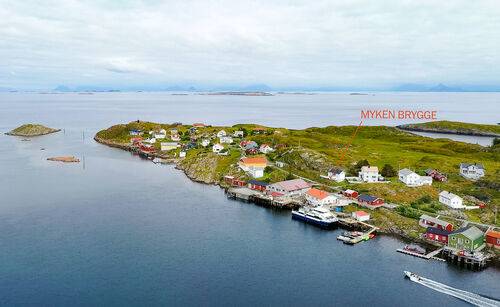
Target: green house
[(468, 238)]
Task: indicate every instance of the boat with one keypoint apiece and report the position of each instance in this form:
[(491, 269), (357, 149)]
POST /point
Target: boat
[(412, 276), (413, 250), (315, 215)]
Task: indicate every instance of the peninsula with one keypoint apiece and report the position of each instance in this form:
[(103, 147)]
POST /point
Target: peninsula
[(454, 128), (29, 130)]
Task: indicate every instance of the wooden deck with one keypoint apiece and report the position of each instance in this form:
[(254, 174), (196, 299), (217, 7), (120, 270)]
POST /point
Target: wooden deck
[(431, 255)]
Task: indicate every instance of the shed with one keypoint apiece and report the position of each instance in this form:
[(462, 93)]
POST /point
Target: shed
[(361, 216)]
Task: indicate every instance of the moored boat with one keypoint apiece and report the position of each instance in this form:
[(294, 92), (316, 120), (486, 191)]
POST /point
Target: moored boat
[(315, 215)]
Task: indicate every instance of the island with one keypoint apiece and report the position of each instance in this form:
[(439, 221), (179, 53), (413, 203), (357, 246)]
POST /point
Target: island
[(224, 156), (454, 128), (64, 159), (29, 130)]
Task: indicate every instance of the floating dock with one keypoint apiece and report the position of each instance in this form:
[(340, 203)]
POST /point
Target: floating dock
[(431, 255), (351, 223)]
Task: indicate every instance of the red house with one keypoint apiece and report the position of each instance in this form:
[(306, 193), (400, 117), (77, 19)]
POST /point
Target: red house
[(436, 234), (252, 151), (370, 200), (257, 185), (234, 181), (147, 148), (493, 238), (229, 178), (429, 221), (351, 193)]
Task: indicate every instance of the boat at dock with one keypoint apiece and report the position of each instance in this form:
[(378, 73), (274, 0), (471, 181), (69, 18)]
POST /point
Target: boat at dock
[(315, 215), (414, 250)]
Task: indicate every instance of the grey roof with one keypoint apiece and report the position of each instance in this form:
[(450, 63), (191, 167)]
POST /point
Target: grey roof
[(338, 171), (471, 232), (478, 165), (438, 231), (367, 197), (406, 172), (258, 182), (429, 171), (434, 220)]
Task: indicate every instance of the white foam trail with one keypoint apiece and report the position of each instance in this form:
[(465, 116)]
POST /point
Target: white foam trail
[(469, 297)]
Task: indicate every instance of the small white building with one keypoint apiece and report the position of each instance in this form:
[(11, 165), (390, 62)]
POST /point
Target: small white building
[(205, 142), (221, 133), (319, 198), (175, 137), (256, 171), (472, 171), (217, 148), (337, 175), (226, 140), (182, 154), (150, 140), (361, 216), (412, 179), (264, 148), (369, 173), (451, 200), (238, 134), (279, 164), (161, 135)]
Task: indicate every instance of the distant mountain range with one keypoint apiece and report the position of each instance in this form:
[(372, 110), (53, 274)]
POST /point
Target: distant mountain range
[(410, 87)]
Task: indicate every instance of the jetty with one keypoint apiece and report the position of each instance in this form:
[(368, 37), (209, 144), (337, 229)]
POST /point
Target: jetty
[(472, 261), (258, 198), (350, 223), (431, 255)]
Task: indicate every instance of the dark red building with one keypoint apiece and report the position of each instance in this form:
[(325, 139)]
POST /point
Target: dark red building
[(370, 200), (351, 193), (257, 185), (436, 234)]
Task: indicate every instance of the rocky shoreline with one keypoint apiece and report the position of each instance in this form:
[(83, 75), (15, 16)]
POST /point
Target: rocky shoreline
[(464, 131)]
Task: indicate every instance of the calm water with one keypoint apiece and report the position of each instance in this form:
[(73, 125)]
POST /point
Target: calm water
[(124, 231)]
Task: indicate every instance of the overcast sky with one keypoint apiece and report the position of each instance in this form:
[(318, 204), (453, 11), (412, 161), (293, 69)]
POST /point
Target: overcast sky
[(365, 44)]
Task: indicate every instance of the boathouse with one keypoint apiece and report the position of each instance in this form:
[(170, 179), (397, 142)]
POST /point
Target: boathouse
[(437, 234), (370, 200), (361, 216), (257, 185), (493, 238), (289, 187), (429, 221), (468, 238)]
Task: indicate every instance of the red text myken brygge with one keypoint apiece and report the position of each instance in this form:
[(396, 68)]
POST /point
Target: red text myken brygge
[(399, 114)]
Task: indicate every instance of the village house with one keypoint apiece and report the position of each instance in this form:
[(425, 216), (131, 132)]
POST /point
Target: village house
[(217, 148), (161, 134), (370, 200), (279, 164), (150, 140), (437, 234), (221, 133), (147, 148), (369, 174), (472, 171), (337, 175), (182, 154), (412, 179), (198, 125), (493, 238), (469, 238), (258, 130), (253, 166), (451, 200), (317, 197), (429, 221), (235, 181), (251, 151), (175, 137), (249, 144), (135, 132), (238, 134), (205, 142), (435, 175), (226, 140), (264, 148), (257, 185), (168, 146), (135, 140), (351, 194), (360, 216), (289, 188)]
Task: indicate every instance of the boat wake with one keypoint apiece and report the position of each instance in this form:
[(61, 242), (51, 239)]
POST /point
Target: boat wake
[(469, 297)]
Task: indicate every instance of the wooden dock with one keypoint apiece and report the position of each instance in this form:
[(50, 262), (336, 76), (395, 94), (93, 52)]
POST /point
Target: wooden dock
[(431, 255), (352, 223)]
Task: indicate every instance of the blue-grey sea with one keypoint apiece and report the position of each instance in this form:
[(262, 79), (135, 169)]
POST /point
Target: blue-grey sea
[(118, 230)]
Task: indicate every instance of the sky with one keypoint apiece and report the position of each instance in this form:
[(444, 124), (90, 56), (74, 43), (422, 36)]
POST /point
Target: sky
[(283, 44)]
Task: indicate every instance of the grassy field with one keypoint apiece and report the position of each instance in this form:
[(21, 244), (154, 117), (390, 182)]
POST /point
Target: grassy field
[(313, 151)]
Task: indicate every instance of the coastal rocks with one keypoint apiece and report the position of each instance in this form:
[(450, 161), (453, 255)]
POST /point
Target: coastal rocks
[(202, 168), (64, 159), (31, 130), (450, 130)]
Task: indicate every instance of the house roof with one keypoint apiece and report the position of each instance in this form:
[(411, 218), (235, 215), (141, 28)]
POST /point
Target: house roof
[(406, 172), (361, 213), (438, 231), (349, 191), (367, 197), (218, 145), (254, 160), (369, 169), (494, 234), (471, 232), (258, 182), (338, 171), (448, 194), (429, 171), (258, 128), (433, 220), (169, 144), (198, 124), (318, 193), (478, 165), (292, 185)]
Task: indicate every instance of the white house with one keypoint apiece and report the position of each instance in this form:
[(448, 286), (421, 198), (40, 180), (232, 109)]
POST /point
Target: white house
[(182, 154), (472, 171), (289, 188), (337, 175), (256, 171), (279, 164), (161, 135), (226, 139), (369, 174), (412, 179), (175, 137), (264, 148), (360, 216), (205, 142), (221, 133), (451, 200), (217, 147), (238, 134), (150, 140), (319, 198)]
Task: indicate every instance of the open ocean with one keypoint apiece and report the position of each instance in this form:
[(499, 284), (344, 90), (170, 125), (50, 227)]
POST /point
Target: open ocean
[(122, 231)]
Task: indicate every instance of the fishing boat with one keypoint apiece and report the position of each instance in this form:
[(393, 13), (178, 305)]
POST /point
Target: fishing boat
[(412, 276), (315, 215), (413, 250)]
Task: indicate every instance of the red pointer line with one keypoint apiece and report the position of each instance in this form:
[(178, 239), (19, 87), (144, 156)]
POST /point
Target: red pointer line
[(343, 155)]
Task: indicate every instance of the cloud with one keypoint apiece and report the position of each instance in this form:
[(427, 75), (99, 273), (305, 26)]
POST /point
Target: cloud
[(280, 43)]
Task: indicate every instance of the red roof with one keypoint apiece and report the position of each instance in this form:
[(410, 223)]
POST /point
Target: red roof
[(276, 194), (295, 184), (494, 234), (259, 128), (318, 193), (136, 139), (198, 124), (254, 160), (361, 213)]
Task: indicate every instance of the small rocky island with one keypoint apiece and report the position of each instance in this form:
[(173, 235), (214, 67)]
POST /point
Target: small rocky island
[(64, 159), (32, 130)]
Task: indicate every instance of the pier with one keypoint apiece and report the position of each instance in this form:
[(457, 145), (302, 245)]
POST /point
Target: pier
[(350, 223), (475, 261), (431, 255)]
